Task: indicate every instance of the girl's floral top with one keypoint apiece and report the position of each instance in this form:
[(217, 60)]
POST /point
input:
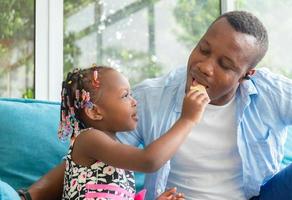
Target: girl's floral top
[(99, 181)]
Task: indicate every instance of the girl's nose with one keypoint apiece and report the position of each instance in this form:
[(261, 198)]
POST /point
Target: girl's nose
[(134, 102)]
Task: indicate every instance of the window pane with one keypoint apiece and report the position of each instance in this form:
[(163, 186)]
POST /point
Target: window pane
[(277, 17), (141, 38), (17, 48)]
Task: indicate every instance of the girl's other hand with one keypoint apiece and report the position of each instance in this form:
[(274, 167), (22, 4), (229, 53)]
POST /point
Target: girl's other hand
[(171, 194)]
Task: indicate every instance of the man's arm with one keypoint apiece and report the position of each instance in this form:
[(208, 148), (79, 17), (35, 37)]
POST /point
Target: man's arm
[(50, 186)]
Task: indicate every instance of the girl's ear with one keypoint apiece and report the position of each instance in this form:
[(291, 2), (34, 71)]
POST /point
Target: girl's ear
[(93, 113)]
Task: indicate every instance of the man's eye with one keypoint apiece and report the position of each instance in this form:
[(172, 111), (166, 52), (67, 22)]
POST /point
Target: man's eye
[(225, 65), (204, 51)]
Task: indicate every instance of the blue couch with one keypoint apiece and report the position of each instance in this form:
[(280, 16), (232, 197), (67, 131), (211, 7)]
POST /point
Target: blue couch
[(29, 146)]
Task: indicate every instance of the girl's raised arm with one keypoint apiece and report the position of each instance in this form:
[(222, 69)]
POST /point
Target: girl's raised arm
[(99, 146)]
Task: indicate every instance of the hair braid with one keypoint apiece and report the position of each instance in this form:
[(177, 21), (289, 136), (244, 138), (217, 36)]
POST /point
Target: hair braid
[(75, 96), (69, 120)]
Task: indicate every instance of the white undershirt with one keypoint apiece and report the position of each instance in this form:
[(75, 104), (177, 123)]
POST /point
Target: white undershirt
[(208, 166)]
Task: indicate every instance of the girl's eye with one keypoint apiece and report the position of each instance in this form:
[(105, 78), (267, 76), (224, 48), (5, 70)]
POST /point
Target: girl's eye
[(126, 95)]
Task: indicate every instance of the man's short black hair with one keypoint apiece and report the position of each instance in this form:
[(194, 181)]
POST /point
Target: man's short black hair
[(246, 22)]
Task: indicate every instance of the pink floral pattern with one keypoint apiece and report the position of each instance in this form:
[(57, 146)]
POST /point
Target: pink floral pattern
[(77, 176)]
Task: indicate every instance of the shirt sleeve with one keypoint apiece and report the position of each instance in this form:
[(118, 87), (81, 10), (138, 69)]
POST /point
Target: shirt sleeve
[(284, 100), (7, 192), (280, 92)]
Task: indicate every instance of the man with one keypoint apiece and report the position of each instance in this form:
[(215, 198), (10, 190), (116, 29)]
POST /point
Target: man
[(238, 145)]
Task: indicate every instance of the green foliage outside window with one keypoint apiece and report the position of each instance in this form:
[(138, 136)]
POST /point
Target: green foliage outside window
[(276, 19), (194, 16), (16, 31)]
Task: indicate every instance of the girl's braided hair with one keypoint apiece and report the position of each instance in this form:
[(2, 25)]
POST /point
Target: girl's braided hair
[(78, 90)]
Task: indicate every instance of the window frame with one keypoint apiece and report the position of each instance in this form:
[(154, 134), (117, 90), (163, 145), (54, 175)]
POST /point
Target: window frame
[(48, 49)]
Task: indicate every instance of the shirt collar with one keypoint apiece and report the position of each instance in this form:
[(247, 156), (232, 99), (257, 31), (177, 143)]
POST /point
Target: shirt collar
[(248, 88)]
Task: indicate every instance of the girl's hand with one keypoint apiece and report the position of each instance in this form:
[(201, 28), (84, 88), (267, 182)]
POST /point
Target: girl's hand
[(171, 194), (194, 105)]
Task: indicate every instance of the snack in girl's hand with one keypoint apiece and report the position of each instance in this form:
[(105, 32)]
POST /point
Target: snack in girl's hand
[(198, 87)]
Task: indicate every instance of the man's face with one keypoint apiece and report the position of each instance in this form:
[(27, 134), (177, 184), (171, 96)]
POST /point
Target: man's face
[(220, 61)]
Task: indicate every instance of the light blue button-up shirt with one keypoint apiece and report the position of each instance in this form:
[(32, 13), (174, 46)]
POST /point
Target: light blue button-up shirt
[(7, 192), (263, 112)]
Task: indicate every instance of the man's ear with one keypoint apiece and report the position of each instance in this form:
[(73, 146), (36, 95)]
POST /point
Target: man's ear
[(247, 75), (93, 113)]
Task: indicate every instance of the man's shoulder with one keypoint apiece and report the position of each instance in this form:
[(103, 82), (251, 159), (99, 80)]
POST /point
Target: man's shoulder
[(266, 75), (264, 78), (269, 86)]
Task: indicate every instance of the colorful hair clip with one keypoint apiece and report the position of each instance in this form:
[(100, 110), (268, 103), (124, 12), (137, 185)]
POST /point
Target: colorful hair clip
[(85, 102), (95, 81), (77, 99)]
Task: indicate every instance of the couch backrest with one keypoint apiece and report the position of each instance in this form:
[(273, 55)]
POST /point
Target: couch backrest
[(29, 145)]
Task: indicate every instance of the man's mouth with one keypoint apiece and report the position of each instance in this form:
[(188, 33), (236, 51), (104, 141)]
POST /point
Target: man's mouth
[(198, 82)]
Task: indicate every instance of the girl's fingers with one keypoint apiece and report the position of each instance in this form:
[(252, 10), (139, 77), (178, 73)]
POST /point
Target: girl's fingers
[(170, 191), (193, 93), (180, 196)]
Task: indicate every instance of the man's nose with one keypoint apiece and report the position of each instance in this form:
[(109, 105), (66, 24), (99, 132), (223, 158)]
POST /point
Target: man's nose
[(207, 67)]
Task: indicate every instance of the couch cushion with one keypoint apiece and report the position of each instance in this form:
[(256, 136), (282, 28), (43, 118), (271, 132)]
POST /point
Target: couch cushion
[(29, 146)]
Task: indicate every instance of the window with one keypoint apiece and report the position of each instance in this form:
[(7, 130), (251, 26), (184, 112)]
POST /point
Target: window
[(143, 39), (277, 18), (17, 48)]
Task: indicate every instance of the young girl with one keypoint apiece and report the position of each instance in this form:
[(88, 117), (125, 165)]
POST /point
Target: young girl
[(97, 103)]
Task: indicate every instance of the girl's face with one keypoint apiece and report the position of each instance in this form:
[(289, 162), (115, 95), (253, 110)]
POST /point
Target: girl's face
[(117, 106)]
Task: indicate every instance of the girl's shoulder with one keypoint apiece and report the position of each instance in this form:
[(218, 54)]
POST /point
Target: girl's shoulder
[(87, 143), (92, 137)]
